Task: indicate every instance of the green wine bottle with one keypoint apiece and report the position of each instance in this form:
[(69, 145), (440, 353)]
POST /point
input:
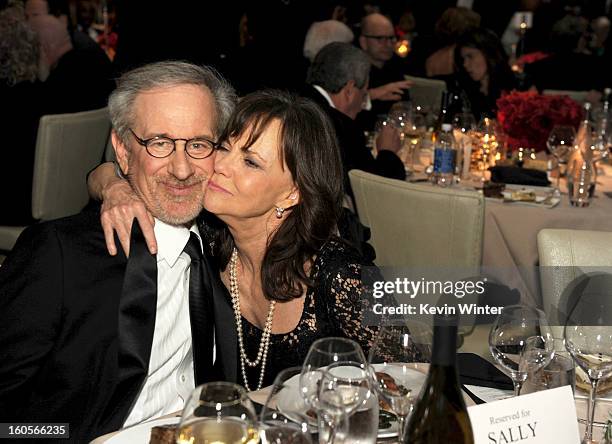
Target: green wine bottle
[(440, 415)]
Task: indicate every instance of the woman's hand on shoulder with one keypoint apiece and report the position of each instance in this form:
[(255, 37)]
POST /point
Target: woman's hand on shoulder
[(120, 206)]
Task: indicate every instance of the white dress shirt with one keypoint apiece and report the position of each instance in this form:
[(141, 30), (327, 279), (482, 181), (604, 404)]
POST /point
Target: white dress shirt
[(170, 378), (324, 94)]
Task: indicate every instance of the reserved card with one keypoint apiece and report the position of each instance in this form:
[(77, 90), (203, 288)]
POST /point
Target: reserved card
[(543, 417)]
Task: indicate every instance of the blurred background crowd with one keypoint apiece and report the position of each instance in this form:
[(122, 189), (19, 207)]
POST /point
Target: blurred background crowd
[(59, 56)]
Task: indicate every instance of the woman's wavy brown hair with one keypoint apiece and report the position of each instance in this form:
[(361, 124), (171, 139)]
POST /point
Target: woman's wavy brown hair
[(309, 149)]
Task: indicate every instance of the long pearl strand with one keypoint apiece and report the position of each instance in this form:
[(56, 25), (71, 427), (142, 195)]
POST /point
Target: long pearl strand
[(262, 354)]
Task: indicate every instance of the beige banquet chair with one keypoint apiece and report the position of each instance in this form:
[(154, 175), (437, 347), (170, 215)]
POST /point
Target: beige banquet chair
[(416, 225), (423, 231), (565, 255), (426, 92), (68, 146)]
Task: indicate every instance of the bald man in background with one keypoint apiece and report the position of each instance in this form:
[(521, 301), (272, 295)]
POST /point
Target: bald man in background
[(74, 79), (387, 84)]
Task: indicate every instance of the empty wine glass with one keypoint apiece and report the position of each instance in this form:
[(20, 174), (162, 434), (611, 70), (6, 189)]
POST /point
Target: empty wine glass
[(588, 334), (323, 353), (218, 412), (397, 360), (284, 417), (509, 335), (560, 143), (347, 405), (464, 122), (536, 354)]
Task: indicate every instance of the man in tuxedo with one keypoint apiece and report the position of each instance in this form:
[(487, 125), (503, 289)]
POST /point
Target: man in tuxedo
[(338, 82), (98, 341)]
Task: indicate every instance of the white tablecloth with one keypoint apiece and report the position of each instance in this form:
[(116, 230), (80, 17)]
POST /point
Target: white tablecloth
[(510, 234)]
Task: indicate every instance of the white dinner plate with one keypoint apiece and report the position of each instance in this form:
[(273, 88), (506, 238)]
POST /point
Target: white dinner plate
[(140, 433), (289, 400)]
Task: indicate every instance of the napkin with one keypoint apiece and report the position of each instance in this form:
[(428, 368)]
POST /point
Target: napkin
[(475, 370), (519, 176)]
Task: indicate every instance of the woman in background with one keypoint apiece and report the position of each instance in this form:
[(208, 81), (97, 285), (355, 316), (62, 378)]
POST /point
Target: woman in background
[(482, 71)]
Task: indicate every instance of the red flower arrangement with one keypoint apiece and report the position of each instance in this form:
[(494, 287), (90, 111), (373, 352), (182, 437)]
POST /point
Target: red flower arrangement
[(528, 117)]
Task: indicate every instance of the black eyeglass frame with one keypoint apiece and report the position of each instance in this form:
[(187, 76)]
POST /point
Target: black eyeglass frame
[(145, 143), (382, 38)]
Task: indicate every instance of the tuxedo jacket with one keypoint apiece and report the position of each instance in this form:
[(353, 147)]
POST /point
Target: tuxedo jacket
[(77, 327), (351, 140)]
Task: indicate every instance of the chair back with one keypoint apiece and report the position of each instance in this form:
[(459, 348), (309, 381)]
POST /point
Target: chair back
[(68, 146), (565, 255), (426, 92), (578, 96), (416, 225)]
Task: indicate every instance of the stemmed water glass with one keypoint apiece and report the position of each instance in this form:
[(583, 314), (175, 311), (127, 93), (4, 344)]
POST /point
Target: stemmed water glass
[(218, 412), (348, 406), (588, 334), (397, 360), (324, 353), (509, 336), (560, 143)]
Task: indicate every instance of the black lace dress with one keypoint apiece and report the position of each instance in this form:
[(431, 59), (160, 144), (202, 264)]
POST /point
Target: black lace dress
[(334, 306)]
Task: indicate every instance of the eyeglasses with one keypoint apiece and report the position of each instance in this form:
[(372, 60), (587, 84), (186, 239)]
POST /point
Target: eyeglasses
[(160, 147), (382, 38)]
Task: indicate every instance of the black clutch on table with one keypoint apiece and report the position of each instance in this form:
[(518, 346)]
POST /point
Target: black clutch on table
[(519, 176), (475, 370)]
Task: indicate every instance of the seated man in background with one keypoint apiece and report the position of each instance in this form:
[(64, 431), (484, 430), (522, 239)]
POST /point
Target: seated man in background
[(74, 79), (99, 341), (338, 82), (323, 33), (387, 84)]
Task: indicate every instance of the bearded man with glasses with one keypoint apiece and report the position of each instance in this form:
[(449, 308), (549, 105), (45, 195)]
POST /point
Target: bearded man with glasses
[(101, 342)]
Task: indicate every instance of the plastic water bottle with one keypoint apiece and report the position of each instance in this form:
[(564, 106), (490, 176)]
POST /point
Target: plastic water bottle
[(445, 156)]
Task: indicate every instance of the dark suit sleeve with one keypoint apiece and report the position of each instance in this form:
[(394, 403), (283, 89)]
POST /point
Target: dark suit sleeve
[(31, 287), (357, 156)]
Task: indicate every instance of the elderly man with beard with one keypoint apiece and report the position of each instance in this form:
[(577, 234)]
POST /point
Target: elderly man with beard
[(98, 341)]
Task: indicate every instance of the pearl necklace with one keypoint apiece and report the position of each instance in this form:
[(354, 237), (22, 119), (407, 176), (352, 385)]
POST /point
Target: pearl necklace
[(262, 354)]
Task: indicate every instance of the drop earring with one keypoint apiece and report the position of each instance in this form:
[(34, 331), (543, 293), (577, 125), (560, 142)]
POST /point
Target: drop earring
[(279, 212)]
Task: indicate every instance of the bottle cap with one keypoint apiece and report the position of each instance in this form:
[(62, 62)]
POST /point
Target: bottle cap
[(447, 127)]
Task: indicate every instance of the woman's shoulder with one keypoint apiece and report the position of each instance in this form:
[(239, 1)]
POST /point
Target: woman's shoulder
[(338, 258)]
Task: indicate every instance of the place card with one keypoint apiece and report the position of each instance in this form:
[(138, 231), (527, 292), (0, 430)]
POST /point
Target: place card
[(543, 417)]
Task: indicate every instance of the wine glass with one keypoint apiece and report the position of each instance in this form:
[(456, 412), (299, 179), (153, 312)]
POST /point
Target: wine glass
[(536, 354), (588, 334), (509, 335), (560, 143), (218, 412), (323, 353), (347, 405), (486, 138), (396, 363), (464, 122), (284, 417)]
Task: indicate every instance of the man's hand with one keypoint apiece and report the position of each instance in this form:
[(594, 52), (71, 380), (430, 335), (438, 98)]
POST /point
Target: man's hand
[(119, 208), (390, 91), (388, 139)]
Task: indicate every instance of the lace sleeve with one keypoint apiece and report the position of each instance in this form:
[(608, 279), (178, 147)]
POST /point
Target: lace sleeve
[(350, 303)]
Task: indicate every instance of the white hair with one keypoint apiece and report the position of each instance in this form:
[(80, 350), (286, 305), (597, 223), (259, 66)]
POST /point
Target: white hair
[(322, 33)]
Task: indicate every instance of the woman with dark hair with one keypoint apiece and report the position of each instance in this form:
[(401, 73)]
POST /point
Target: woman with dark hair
[(277, 188), (482, 70)]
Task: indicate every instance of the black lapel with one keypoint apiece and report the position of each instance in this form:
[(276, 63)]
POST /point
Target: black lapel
[(225, 328), (202, 334), (136, 323)]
